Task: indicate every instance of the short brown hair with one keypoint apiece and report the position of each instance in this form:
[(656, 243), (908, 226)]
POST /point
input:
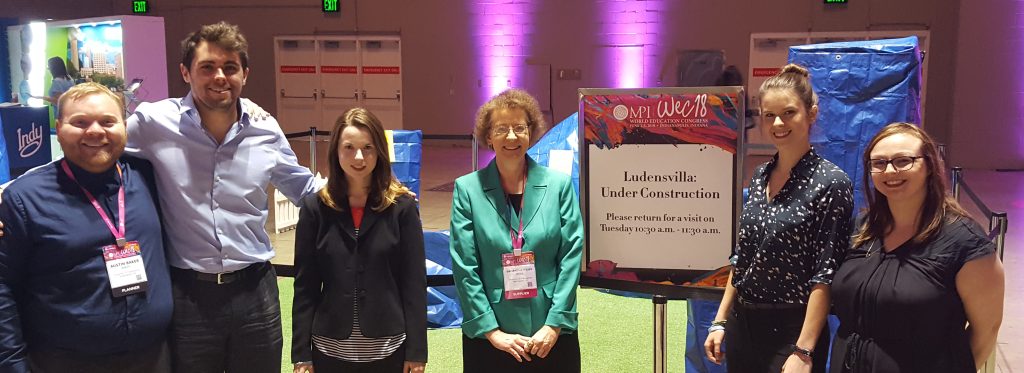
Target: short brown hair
[(88, 89), (511, 99), (938, 206), (222, 34)]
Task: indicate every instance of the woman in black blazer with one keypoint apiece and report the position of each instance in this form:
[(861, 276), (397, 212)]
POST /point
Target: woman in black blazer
[(360, 282)]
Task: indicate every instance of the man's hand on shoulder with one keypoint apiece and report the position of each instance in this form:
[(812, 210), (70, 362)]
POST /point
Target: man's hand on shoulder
[(255, 112)]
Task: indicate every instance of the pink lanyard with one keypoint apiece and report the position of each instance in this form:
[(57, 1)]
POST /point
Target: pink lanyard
[(119, 232), (517, 237)]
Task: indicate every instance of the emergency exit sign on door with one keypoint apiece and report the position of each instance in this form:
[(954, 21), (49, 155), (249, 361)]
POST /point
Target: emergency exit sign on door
[(140, 6), (331, 6)]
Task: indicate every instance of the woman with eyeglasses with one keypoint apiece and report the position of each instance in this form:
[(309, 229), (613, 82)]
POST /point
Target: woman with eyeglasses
[(516, 246), (793, 229), (918, 271)]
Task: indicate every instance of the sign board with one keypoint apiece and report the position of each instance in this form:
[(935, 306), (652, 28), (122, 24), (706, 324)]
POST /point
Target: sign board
[(659, 188)]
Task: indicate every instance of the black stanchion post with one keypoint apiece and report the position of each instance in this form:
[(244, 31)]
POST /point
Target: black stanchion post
[(957, 177), (476, 153), (999, 224), (660, 333), (312, 150)]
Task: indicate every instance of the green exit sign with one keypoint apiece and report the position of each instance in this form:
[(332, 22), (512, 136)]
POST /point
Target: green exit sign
[(331, 6), (836, 1), (140, 6)]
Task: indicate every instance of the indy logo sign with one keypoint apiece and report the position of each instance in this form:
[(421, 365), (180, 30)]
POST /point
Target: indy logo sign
[(30, 143)]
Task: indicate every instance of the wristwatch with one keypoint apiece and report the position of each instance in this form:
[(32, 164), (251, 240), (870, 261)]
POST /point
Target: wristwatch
[(802, 351)]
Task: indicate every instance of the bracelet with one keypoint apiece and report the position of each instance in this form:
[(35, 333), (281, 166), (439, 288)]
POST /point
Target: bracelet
[(802, 351), (718, 322), (714, 328)]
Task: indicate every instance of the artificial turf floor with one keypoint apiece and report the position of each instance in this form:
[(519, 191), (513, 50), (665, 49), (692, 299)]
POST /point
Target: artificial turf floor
[(616, 334)]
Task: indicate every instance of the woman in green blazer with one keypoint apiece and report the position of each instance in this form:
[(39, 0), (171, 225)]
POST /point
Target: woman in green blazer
[(515, 319)]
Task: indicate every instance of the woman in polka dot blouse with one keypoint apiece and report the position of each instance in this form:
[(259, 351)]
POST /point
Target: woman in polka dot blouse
[(794, 228)]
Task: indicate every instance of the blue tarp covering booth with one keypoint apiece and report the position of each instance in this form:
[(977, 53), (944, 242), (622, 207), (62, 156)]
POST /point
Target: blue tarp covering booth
[(862, 86), (555, 146), (408, 146), (26, 137), (442, 302)]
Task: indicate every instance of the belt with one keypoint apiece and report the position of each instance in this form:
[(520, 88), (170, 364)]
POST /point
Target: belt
[(768, 306), (222, 277)]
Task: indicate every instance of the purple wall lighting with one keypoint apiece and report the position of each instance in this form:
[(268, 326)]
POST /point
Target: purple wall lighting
[(631, 31), (501, 35)]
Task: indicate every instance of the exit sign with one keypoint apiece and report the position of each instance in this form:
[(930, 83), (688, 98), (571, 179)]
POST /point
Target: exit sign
[(331, 6), (835, 1), (140, 6)]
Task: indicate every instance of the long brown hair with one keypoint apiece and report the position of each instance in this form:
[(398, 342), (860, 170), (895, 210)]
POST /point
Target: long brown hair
[(938, 206), (384, 188)]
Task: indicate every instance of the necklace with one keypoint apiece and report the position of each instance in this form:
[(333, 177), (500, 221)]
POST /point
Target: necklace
[(870, 249)]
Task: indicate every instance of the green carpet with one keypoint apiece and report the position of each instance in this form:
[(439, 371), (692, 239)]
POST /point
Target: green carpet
[(615, 334)]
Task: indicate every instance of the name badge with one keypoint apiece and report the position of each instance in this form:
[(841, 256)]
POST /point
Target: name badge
[(125, 268), (520, 275)]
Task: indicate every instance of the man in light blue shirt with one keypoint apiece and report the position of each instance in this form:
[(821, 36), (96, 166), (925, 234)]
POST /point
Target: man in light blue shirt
[(213, 163)]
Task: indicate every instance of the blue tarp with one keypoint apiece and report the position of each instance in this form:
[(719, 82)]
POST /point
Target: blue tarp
[(862, 86), (442, 302), (408, 154), (562, 136)]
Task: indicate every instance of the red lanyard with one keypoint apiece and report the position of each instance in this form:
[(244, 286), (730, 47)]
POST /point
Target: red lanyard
[(119, 232), (517, 237)]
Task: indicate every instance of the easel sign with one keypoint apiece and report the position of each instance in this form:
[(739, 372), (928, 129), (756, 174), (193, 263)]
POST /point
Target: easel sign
[(658, 183)]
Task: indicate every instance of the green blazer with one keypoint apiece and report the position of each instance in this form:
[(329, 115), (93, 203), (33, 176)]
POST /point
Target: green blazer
[(552, 230)]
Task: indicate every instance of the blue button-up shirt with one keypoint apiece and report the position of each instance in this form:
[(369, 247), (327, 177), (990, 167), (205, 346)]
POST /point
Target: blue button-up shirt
[(214, 196)]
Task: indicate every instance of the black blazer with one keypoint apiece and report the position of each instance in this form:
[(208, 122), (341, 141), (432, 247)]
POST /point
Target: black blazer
[(384, 269)]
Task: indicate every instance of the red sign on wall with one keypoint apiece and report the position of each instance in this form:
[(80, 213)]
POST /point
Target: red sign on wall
[(380, 70), (762, 72), (287, 69), (337, 69)]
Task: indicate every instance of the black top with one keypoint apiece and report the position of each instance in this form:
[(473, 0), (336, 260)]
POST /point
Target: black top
[(516, 200), (900, 311), (795, 241), (382, 269), (54, 288)]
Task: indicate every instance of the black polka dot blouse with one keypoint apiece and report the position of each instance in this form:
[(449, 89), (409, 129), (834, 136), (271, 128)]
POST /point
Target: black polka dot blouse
[(797, 239)]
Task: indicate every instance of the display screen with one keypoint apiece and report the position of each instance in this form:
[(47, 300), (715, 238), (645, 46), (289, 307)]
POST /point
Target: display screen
[(140, 6)]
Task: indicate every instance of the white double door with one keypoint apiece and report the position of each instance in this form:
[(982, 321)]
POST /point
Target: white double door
[(320, 77)]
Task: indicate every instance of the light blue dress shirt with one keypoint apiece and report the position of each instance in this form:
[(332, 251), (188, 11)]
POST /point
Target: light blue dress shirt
[(214, 196)]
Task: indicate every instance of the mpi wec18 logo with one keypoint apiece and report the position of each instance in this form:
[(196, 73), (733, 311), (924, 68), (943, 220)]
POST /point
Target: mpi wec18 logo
[(668, 107)]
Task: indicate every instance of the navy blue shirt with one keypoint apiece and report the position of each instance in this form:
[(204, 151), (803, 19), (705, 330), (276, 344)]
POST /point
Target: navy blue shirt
[(54, 290)]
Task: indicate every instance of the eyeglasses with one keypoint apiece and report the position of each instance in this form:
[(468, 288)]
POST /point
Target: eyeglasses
[(899, 164), (503, 130)]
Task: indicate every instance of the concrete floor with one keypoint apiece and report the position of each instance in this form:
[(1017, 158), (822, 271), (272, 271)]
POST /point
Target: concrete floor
[(1001, 191)]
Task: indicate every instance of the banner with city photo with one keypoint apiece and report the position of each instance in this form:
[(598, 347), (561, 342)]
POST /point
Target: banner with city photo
[(659, 189)]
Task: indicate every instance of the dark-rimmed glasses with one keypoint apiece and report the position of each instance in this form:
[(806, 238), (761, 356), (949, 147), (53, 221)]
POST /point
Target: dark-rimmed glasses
[(899, 164)]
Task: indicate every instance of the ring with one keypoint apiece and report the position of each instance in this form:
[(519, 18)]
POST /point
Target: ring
[(529, 344)]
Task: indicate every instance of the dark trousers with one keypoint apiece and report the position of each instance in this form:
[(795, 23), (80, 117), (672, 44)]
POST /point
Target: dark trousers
[(154, 359), (758, 340), (478, 355), (234, 327), (391, 364)]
